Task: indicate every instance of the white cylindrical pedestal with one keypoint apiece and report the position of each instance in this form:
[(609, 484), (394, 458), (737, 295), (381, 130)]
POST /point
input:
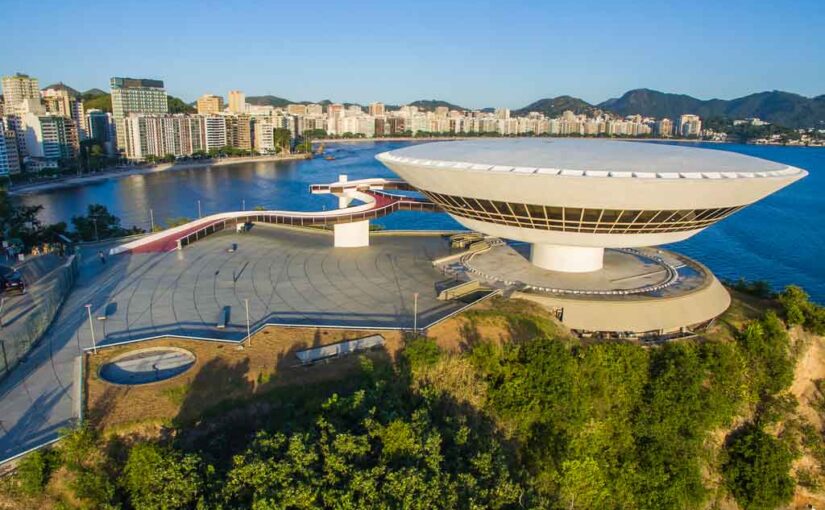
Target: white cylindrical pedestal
[(352, 235), (567, 259)]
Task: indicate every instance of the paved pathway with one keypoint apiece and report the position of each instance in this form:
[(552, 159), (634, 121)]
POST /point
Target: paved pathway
[(287, 276)]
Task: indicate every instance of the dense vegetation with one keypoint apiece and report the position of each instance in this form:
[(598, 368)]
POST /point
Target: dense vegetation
[(543, 422)]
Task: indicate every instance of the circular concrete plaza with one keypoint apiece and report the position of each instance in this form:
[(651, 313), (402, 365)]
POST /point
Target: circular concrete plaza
[(288, 276)]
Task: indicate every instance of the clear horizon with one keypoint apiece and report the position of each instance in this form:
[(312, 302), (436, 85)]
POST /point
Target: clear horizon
[(475, 55)]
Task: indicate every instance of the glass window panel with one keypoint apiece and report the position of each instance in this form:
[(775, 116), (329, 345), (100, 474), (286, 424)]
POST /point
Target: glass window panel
[(536, 211), (628, 216), (572, 214), (591, 215), (610, 215), (555, 213)]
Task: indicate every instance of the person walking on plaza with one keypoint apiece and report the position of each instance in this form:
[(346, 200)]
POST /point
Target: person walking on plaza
[(101, 256)]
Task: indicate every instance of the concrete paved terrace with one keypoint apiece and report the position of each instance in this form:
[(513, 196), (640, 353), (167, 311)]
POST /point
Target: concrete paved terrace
[(289, 277)]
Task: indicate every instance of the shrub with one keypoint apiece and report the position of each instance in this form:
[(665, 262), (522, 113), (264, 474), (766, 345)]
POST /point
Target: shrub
[(757, 471), (34, 471), (421, 352)]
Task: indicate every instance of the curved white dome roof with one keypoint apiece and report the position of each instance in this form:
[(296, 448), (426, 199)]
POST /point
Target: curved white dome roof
[(588, 158)]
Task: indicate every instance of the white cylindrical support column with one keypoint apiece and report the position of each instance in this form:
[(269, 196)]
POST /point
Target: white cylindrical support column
[(343, 200), (567, 259), (352, 235)]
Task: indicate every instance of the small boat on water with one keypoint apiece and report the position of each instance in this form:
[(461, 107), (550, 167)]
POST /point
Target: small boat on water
[(329, 158)]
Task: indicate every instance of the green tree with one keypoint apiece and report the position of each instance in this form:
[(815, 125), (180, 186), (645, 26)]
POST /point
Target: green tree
[(99, 223), (158, 478), (282, 138), (757, 471)]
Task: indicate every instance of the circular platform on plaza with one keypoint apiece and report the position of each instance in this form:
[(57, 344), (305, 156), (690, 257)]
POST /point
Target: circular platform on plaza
[(625, 272), (144, 366), (639, 291)]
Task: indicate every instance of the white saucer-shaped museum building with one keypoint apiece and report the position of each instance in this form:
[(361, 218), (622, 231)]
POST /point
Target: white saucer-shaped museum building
[(572, 198)]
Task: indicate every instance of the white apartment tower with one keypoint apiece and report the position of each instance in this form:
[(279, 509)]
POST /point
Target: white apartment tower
[(131, 95), (17, 89)]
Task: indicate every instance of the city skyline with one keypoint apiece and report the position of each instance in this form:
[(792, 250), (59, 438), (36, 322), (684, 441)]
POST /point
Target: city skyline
[(437, 52)]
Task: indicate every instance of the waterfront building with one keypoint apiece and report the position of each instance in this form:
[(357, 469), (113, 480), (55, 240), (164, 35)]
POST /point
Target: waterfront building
[(101, 129), (237, 101), (377, 109), (48, 139), (239, 131), (592, 213), (14, 124), (17, 89), (214, 132), (503, 113), (9, 155), (664, 128), (264, 135), (209, 104), (135, 96), (572, 198), (162, 135), (690, 125)]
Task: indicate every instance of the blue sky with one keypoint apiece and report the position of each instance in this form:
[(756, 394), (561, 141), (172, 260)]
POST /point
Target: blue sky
[(473, 53)]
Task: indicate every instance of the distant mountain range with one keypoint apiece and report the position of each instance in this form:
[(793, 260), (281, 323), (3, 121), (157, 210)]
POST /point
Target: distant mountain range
[(782, 108), (778, 107)]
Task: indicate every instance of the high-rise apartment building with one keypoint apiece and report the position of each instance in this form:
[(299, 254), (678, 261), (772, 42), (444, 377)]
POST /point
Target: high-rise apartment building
[(690, 125), (101, 129), (9, 156), (58, 101), (48, 139), (131, 95), (17, 89), (664, 128), (335, 110), (237, 101), (209, 104), (162, 135), (377, 109), (239, 133), (296, 109), (214, 129), (315, 109)]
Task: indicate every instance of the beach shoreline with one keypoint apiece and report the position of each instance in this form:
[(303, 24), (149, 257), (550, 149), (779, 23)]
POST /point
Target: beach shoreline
[(128, 171)]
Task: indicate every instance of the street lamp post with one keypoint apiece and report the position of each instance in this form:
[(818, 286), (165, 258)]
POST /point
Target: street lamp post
[(199, 209), (91, 327), (248, 332), (94, 222), (415, 313), (151, 220), (243, 205)]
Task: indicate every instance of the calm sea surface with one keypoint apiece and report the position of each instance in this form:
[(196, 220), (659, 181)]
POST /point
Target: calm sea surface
[(780, 239)]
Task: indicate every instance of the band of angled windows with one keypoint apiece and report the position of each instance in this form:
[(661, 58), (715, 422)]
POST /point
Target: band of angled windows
[(574, 219)]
